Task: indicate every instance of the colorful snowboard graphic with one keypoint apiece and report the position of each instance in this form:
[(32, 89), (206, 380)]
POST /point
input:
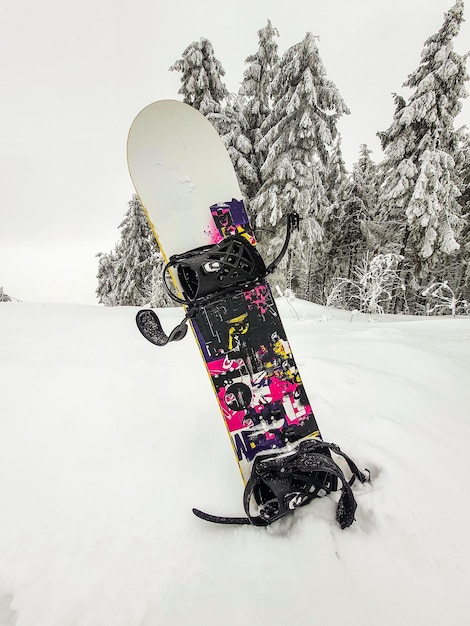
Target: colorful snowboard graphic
[(186, 182), (250, 362)]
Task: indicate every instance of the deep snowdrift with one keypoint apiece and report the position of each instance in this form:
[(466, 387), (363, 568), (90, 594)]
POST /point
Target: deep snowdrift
[(106, 442)]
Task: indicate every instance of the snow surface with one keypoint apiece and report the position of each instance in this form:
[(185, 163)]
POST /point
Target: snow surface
[(107, 441)]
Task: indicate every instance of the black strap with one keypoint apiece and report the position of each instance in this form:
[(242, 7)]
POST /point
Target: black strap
[(151, 328), (293, 221)]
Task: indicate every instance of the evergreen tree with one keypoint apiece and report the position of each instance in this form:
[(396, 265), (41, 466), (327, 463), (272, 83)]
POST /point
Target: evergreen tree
[(105, 291), (335, 172), (420, 192), (256, 96), (365, 187), (3, 296), (233, 128), (297, 136), (201, 78), (461, 280), (134, 257), (127, 275), (349, 229), (159, 297), (396, 174), (464, 170)]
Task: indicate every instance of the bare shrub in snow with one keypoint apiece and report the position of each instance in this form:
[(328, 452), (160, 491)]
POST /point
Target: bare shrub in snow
[(443, 297), (375, 282)]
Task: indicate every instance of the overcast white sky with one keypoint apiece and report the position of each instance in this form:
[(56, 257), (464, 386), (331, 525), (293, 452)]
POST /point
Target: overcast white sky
[(74, 74)]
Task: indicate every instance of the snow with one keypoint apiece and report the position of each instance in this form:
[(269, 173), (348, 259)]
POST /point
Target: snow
[(108, 441)]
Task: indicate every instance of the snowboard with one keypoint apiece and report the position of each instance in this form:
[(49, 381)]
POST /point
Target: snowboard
[(185, 180)]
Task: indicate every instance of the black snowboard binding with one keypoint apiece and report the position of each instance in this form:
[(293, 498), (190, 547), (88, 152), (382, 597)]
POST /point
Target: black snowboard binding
[(281, 482), (208, 273), (228, 266)]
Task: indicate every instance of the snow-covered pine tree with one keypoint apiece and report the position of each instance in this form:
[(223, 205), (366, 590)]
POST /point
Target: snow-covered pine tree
[(464, 169), (366, 179), (201, 78), (420, 191), (127, 275), (159, 297), (461, 279), (256, 97), (335, 172), (135, 255), (3, 296), (396, 174), (297, 136), (232, 126), (365, 182), (105, 292), (337, 189), (242, 115), (349, 230)]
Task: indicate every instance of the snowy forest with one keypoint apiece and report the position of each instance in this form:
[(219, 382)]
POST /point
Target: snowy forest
[(387, 237)]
